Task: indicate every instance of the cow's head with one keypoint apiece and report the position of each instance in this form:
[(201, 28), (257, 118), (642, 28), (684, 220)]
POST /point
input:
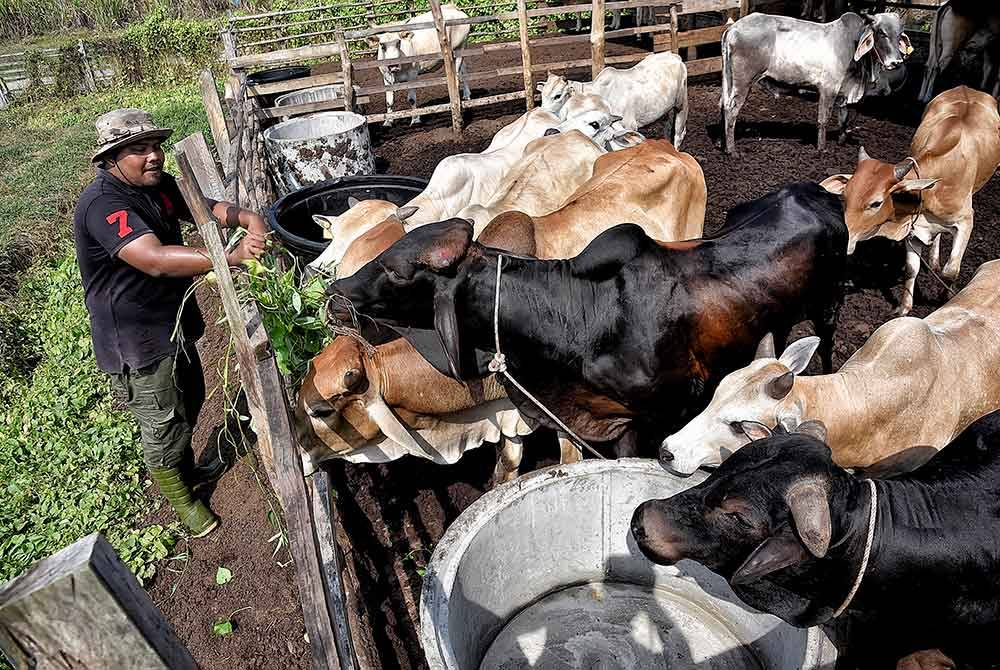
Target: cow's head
[(761, 394), (394, 45), (883, 36), (413, 283), (762, 520), (880, 199), (330, 409), (603, 127), (343, 229), (340, 406), (555, 92)]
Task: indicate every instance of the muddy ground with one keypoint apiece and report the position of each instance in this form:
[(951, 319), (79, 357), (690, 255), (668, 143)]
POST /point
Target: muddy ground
[(392, 515)]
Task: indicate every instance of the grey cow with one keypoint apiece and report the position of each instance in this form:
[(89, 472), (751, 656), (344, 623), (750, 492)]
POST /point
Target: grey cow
[(840, 60)]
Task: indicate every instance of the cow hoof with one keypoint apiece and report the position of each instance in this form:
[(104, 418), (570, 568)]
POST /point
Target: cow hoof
[(950, 272)]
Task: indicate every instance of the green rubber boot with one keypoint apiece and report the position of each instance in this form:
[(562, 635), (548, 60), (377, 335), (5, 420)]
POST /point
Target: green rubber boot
[(198, 519)]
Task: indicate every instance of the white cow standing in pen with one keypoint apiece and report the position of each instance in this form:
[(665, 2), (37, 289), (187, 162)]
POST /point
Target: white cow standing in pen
[(420, 42)]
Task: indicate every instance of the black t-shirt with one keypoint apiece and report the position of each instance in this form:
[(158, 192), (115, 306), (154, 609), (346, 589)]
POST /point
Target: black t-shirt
[(132, 314)]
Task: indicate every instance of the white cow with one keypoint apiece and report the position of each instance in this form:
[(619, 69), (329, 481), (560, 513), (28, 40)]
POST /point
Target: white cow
[(655, 88), (423, 41), (549, 172)]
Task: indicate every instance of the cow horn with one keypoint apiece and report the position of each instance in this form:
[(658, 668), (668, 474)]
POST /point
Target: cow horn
[(903, 168), (403, 213), (813, 428), (766, 347), (352, 201), (392, 427), (779, 387), (810, 510), (863, 155)]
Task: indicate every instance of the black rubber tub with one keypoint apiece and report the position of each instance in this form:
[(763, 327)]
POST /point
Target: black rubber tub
[(275, 75), (291, 217)]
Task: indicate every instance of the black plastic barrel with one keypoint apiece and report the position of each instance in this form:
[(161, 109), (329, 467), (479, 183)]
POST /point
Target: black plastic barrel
[(291, 217), (275, 75)]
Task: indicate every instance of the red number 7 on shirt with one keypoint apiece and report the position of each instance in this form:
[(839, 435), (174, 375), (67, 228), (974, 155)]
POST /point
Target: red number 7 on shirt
[(121, 218)]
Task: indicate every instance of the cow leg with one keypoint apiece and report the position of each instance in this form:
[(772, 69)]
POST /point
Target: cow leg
[(411, 95), (842, 115), (510, 450), (730, 111), (462, 77), (579, 22), (669, 123), (627, 445), (568, 451), (963, 231), (825, 107), (390, 100), (913, 250), (989, 66), (616, 19), (934, 258), (825, 325)]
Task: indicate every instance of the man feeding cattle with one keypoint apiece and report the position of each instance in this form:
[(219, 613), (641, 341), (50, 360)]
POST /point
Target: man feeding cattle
[(136, 271)]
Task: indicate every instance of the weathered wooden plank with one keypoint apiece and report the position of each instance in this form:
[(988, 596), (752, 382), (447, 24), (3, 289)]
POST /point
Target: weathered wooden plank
[(704, 66), (597, 44), (216, 118), (307, 108), (450, 73), (275, 435), (695, 6), (690, 38), (284, 56), (83, 608), (674, 42), (202, 166), (346, 72), (522, 31), (295, 84)]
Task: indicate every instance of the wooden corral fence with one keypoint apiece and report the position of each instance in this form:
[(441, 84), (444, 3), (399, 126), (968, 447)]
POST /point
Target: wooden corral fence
[(16, 78), (342, 47)]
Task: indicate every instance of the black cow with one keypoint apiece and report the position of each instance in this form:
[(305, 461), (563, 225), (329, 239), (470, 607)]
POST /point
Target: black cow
[(788, 529), (632, 334)]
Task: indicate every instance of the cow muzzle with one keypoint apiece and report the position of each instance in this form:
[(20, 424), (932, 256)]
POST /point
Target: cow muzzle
[(653, 536)]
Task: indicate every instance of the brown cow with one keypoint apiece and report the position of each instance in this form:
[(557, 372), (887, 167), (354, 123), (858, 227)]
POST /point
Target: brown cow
[(653, 185), (369, 245), (954, 153)]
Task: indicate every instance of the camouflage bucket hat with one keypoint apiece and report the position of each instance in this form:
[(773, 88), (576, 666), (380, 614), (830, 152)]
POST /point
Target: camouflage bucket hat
[(121, 127)]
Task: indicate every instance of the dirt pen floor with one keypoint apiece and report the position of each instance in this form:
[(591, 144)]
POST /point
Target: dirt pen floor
[(392, 515)]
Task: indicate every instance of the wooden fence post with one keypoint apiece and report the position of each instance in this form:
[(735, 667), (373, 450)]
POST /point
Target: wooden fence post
[(89, 81), (454, 98), (522, 27), (674, 41), (597, 46), (229, 53), (217, 122), (276, 436), (347, 71), (744, 7), (83, 608)]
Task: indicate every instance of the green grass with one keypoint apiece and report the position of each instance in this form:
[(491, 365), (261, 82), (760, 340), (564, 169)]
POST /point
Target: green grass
[(70, 458)]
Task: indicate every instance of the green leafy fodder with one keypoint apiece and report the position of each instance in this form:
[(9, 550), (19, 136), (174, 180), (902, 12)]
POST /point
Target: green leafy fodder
[(70, 461)]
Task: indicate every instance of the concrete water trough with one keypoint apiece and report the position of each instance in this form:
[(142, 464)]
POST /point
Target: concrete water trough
[(310, 149), (542, 573)]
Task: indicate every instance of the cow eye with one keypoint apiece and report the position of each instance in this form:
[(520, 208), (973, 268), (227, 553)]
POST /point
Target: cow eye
[(595, 125), (740, 519), (876, 204), (736, 427)]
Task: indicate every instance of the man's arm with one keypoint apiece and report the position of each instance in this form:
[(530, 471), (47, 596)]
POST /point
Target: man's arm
[(148, 255), (231, 216)]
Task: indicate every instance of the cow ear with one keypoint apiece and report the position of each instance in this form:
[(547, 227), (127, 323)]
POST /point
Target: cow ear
[(403, 213), (755, 430), (324, 222), (797, 355), (450, 246), (810, 508), (837, 183), (865, 44), (779, 387), (766, 347), (446, 325), (776, 552), (863, 155), (913, 185), (352, 201)]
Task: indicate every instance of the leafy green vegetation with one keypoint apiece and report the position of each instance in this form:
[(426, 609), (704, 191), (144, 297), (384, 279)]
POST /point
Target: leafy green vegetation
[(70, 458)]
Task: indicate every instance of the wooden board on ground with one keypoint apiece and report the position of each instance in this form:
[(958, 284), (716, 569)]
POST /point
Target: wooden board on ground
[(83, 608)]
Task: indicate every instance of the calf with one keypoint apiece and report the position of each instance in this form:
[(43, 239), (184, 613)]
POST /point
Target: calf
[(954, 153), (421, 42), (609, 339), (652, 185), (549, 171), (342, 230), (655, 88), (912, 387), (839, 59), (955, 24), (791, 531)]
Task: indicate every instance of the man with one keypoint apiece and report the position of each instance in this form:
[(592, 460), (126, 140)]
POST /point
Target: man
[(136, 270)]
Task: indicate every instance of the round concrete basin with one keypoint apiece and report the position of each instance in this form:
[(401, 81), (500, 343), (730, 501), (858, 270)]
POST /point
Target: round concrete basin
[(543, 573)]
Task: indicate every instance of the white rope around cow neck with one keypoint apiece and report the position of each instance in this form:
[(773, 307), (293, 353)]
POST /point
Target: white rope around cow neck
[(499, 364), (868, 551)]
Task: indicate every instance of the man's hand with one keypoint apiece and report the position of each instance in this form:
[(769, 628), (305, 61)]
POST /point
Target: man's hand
[(251, 246)]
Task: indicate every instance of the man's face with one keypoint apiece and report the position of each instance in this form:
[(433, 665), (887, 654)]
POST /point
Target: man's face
[(140, 163)]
